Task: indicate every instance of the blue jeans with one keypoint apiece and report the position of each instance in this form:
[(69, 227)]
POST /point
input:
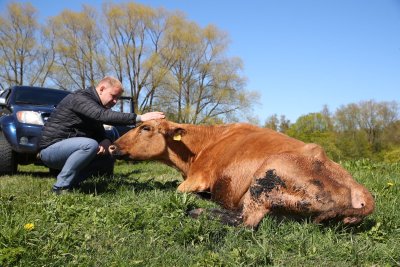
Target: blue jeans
[(77, 159)]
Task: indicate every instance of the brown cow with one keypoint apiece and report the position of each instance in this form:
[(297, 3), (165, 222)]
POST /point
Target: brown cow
[(251, 170)]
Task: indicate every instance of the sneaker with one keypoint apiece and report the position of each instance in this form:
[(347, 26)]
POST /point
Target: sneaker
[(61, 190)]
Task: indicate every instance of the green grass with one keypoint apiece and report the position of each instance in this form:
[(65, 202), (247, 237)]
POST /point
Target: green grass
[(137, 219)]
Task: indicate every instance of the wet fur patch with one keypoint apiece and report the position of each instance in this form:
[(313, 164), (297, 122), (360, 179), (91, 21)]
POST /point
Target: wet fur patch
[(303, 206), (266, 184), (317, 166), (317, 183), (323, 197)]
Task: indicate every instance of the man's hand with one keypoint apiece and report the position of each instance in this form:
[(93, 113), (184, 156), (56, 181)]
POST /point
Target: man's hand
[(103, 147), (152, 116)]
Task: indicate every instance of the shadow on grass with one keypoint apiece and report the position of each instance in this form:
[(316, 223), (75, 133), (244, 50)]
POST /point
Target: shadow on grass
[(36, 174), (334, 224), (364, 226), (106, 184)]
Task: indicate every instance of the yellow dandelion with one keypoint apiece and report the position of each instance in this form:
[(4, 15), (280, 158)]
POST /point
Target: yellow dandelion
[(29, 226), (390, 184)]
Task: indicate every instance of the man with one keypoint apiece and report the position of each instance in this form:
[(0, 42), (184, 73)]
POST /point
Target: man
[(74, 140)]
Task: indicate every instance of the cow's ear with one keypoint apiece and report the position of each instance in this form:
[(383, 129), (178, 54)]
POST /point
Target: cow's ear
[(176, 133)]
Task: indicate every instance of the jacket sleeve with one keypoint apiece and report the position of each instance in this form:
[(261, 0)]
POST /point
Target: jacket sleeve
[(100, 134), (93, 110)]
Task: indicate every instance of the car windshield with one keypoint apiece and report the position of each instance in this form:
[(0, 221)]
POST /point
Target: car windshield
[(39, 97)]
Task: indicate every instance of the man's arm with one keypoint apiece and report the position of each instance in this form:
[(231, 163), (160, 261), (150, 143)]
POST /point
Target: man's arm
[(150, 116), (89, 108), (103, 147), (93, 110)]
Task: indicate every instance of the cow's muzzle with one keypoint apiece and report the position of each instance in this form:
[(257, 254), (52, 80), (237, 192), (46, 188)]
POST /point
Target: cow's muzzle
[(115, 151), (118, 153)]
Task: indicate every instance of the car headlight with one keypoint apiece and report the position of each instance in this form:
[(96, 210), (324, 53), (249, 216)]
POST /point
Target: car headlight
[(31, 117)]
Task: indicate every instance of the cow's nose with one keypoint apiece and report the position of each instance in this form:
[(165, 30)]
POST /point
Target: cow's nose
[(117, 153), (113, 150)]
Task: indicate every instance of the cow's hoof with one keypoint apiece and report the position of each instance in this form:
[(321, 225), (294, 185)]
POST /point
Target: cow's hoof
[(195, 213), (352, 220)]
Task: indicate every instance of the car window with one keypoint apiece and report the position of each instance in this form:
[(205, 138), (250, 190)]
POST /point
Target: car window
[(39, 96)]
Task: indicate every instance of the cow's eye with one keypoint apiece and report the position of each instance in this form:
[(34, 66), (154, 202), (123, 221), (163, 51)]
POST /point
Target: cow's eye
[(146, 128)]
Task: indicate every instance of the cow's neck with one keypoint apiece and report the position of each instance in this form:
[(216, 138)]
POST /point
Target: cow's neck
[(182, 153)]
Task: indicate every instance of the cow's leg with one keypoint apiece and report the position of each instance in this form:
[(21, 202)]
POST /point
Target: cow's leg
[(270, 191), (260, 198), (294, 184), (253, 211), (194, 184)]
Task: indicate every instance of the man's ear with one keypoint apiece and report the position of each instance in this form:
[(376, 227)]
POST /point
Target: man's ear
[(101, 89), (176, 133)]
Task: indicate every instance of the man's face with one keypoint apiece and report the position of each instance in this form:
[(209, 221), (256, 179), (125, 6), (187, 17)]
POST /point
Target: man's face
[(109, 95)]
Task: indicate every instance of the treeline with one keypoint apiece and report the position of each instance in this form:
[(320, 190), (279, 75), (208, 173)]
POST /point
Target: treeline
[(164, 61), (368, 129)]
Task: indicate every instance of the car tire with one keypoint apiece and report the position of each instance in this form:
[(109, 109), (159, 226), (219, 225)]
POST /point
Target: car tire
[(8, 164)]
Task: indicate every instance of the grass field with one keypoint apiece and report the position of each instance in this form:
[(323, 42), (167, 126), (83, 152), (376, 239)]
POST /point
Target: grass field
[(137, 219)]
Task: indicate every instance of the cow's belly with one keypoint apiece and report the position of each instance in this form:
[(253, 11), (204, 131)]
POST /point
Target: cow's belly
[(227, 182), (227, 167)]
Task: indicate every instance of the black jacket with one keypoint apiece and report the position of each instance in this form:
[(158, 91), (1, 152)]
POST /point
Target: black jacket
[(81, 114)]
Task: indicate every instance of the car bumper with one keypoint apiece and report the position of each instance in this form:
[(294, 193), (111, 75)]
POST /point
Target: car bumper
[(24, 138)]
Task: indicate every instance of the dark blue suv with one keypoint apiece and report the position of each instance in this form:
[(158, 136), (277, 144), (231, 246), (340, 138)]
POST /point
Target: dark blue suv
[(23, 111)]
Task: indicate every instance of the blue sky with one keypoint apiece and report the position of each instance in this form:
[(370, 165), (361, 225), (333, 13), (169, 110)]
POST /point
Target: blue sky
[(299, 54)]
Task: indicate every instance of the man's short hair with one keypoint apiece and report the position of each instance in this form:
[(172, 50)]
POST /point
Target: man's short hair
[(112, 82)]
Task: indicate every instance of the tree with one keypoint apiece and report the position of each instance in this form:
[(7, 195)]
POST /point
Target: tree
[(165, 61), (135, 32), (391, 135), (80, 60), (203, 85), (308, 126), (272, 122), (282, 124), (26, 56), (367, 116), (316, 128)]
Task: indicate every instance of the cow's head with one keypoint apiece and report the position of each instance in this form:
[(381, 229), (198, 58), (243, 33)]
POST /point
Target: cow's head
[(147, 141)]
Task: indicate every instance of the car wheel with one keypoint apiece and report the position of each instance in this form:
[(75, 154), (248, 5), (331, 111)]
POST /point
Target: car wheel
[(8, 164)]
